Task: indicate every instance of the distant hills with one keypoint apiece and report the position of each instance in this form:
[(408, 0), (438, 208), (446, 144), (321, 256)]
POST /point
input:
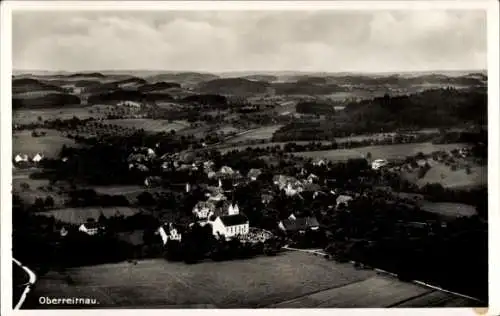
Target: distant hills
[(148, 85)]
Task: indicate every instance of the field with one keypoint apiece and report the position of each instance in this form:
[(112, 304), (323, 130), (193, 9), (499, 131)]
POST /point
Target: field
[(37, 188), (440, 173), (32, 116), (80, 215), (291, 279), (149, 124), (49, 145), (449, 209), (265, 132), (398, 151)]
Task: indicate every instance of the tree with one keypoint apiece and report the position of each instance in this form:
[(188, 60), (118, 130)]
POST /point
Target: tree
[(39, 203), (369, 156), (49, 202)]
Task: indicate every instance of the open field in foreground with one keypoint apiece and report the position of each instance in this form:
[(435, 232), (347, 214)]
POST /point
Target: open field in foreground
[(291, 279), (80, 215), (265, 132), (149, 124), (379, 152), (50, 145)]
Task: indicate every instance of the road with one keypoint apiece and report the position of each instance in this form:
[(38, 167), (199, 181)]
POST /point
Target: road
[(31, 282)]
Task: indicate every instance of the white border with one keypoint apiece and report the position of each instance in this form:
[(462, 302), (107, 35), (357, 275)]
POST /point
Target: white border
[(6, 133)]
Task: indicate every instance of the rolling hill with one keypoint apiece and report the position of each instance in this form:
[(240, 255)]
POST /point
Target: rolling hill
[(233, 86), (51, 100), (25, 85)]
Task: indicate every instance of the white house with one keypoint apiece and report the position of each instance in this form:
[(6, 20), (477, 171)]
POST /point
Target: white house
[(253, 174), (379, 163), (91, 228), (169, 232), (217, 197), (38, 157), (203, 210), (21, 158), (230, 225), (312, 178)]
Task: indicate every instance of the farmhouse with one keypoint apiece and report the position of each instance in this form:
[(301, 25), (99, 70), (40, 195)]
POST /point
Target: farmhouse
[(38, 157), (298, 224), (230, 226), (21, 158), (152, 181), (91, 228), (169, 232), (379, 163)]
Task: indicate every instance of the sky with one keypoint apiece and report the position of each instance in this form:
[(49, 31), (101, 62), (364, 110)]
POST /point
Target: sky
[(222, 41)]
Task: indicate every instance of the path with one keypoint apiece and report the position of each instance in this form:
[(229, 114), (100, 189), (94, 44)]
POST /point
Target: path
[(31, 282)]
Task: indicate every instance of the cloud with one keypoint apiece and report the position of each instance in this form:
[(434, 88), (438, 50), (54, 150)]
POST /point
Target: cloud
[(257, 40)]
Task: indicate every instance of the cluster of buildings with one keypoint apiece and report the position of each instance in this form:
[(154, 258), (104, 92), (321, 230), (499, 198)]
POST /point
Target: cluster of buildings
[(24, 159)]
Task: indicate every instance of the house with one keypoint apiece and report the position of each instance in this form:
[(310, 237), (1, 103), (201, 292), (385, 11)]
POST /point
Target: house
[(37, 158), (203, 210), (91, 228), (216, 197), (343, 199), (300, 224), (319, 162), (379, 163), (21, 158), (211, 174), (253, 174), (169, 231), (421, 162), (312, 178), (152, 181), (225, 170), (230, 225)]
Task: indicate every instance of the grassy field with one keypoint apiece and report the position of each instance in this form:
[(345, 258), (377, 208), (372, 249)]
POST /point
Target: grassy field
[(265, 132), (440, 173), (291, 279), (37, 188), (32, 116), (49, 145), (449, 209), (149, 124), (379, 152), (80, 215)]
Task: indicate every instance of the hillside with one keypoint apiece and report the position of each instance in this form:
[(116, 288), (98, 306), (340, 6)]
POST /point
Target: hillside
[(257, 77), (182, 77), (32, 85), (233, 86), (158, 86), (51, 100), (127, 95), (305, 87), (206, 99)]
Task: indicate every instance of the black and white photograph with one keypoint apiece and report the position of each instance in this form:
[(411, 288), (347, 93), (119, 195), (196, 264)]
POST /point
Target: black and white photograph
[(269, 158)]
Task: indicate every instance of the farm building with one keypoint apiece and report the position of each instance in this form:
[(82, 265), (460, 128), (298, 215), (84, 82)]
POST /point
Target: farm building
[(21, 158), (91, 228), (298, 224), (169, 231), (152, 181), (37, 158), (379, 163)]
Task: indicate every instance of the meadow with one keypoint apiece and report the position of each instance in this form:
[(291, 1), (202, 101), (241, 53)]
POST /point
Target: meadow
[(150, 125), (49, 145), (398, 151), (265, 132), (24, 116), (290, 279), (80, 215), (449, 209)]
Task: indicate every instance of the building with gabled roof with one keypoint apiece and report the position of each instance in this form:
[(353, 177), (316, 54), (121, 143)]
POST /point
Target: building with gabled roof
[(230, 226), (299, 224)]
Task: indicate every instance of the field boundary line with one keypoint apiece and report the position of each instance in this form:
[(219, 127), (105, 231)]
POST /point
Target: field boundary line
[(31, 282), (421, 283)]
